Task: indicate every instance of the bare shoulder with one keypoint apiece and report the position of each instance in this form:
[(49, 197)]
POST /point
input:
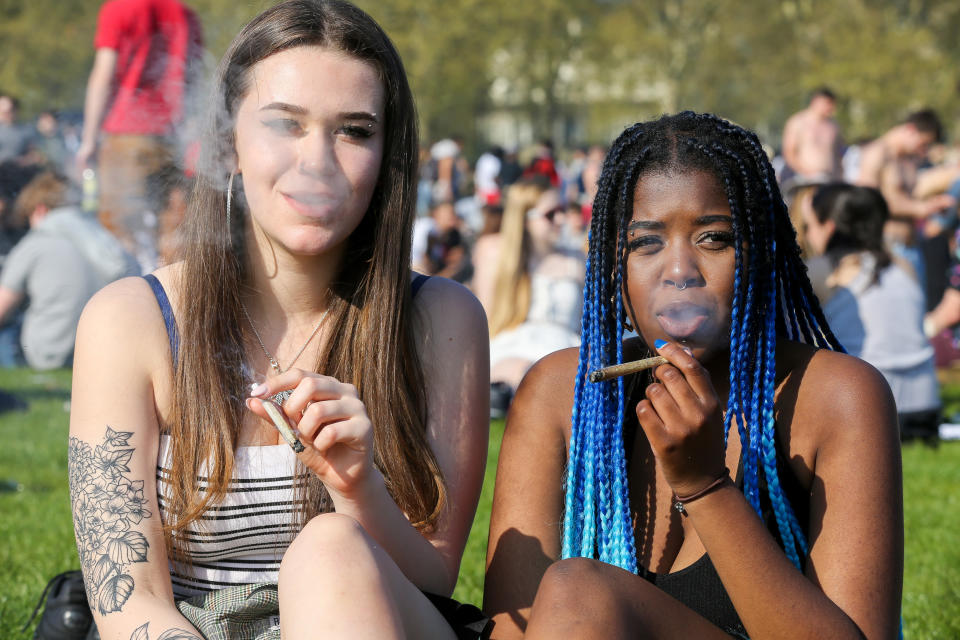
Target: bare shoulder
[(447, 307), (124, 318), (795, 120), (132, 299), (838, 395), (122, 304), (544, 399)]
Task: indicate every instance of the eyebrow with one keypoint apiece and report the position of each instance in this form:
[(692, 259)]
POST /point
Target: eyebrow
[(644, 224), (702, 221), (705, 220), (298, 110), (283, 106)]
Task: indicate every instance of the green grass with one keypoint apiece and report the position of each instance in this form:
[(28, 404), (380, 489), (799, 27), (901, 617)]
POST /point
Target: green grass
[(36, 533), (36, 538)]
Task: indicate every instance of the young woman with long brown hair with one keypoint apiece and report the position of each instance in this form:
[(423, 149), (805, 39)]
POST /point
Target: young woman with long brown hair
[(529, 284), (191, 513)]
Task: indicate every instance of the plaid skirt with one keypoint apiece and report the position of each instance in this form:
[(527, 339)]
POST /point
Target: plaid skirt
[(252, 612)]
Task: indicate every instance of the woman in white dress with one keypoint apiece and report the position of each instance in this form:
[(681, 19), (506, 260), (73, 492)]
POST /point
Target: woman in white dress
[(530, 285)]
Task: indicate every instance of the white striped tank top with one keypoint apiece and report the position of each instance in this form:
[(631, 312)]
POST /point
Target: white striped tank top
[(242, 539)]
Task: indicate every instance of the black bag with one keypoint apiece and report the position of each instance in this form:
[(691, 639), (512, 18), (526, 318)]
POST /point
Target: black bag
[(66, 615)]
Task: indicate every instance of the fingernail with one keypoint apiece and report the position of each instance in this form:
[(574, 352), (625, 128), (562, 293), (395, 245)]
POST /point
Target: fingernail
[(659, 344), (258, 390), (688, 350)]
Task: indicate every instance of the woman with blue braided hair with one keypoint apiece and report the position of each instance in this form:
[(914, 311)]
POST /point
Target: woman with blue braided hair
[(750, 486)]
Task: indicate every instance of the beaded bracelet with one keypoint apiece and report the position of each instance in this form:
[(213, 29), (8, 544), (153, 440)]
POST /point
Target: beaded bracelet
[(679, 501)]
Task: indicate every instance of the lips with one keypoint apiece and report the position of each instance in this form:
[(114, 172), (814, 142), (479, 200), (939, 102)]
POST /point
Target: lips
[(682, 320), (309, 203)]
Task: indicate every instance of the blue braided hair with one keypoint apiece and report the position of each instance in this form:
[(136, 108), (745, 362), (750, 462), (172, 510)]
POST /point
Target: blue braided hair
[(772, 298)]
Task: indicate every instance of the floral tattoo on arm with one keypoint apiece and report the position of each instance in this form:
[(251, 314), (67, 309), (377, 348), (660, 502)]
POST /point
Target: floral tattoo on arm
[(106, 503), (140, 633)]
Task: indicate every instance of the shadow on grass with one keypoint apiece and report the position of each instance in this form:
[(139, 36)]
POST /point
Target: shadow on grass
[(11, 402), (20, 400)]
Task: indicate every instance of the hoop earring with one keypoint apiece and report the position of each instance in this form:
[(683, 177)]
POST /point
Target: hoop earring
[(626, 323), (229, 205)]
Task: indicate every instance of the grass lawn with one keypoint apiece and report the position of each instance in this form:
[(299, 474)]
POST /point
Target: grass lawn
[(36, 538)]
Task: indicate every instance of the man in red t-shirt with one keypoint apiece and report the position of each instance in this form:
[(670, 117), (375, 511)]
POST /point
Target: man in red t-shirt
[(145, 51)]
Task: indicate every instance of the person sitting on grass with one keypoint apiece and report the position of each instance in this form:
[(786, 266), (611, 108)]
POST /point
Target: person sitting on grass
[(748, 487), (193, 516), (872, 299), (52, 272)]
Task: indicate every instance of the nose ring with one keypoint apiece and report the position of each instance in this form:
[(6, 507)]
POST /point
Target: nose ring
[(681, 286)]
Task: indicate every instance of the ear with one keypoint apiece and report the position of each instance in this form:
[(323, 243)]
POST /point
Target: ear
[(39, 213)]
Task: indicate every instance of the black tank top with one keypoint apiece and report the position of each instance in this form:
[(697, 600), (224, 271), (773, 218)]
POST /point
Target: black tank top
[(698, 586)]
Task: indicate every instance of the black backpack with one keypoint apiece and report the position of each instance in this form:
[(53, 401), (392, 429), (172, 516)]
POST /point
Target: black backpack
[(66, 615)]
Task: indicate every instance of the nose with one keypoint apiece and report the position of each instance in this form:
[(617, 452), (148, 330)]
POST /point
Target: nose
[(316, 154), (681, 269)]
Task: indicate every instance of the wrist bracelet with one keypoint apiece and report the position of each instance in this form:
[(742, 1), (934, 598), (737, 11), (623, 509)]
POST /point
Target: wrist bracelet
[(679, 501)]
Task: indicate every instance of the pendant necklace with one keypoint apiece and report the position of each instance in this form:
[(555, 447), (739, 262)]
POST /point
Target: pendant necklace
[(282, 396)]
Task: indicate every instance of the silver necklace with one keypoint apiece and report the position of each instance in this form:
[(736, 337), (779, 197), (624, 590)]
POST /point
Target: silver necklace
[(283, 395)]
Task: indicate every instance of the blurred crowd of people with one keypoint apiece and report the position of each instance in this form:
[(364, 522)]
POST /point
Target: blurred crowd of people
[(513, 227), (84, 200), (88, 199), (878, 222)]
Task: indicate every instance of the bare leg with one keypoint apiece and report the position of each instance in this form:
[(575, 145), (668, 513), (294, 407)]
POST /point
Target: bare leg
[(336, 578), (580, 598)]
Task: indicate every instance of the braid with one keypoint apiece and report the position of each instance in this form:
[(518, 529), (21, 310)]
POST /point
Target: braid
[(597, 517), (771, 297)]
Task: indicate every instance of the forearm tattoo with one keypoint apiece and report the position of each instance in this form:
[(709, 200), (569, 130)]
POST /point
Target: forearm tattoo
[(106, 503), (170, 634)]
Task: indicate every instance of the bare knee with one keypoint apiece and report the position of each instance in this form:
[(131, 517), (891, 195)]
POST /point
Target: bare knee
[(566, 582), (332, 570), (576, 598), (328, 544)]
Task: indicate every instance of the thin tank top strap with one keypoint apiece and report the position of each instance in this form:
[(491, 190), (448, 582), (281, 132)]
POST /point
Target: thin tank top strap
[(418, 282), (169, 321)]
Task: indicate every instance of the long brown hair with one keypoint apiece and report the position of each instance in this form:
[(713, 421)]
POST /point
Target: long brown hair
[(370, 310), (511, 286)]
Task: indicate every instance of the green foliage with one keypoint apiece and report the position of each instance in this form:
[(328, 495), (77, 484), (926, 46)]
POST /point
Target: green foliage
[(47, 51), (586, 66)]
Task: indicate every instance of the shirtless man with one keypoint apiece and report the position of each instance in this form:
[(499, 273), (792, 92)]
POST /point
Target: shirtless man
[(890, 163), (812, 142)]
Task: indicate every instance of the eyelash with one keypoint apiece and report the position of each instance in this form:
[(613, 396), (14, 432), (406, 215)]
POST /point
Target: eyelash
[(283, 125), (292, 127), (725, 238), (357, 131)]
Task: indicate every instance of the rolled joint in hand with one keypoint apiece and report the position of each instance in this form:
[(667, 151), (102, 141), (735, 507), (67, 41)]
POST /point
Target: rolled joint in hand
[(617, 370), (279, 420)]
